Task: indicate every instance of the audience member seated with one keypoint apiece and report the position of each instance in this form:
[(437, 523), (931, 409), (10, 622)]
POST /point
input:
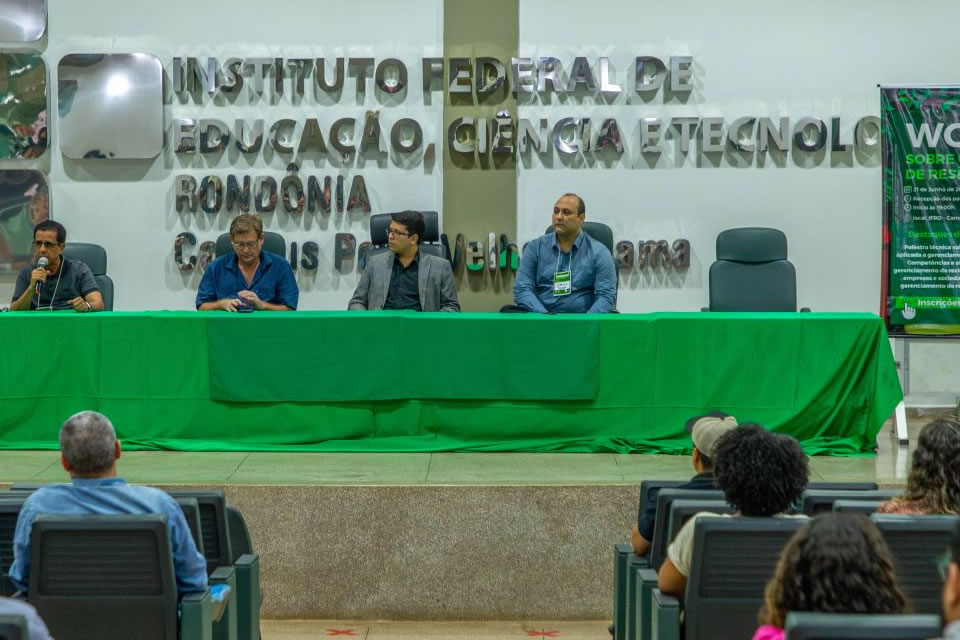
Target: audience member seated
[(566, 271), (951, 589), (705, 431), (88, 452), (35, 626), (761, 474), (933, 485), (249, 278), (837, 563)]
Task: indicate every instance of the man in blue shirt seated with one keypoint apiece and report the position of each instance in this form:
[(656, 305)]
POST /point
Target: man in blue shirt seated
[(566, 271), (250, 278), (88, 451)]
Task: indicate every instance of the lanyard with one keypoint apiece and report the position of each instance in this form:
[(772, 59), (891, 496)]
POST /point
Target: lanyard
[(55, 288), (569, 262)]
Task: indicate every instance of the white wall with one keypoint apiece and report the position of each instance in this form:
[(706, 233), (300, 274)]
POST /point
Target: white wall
[(752, 58), (128, 206)]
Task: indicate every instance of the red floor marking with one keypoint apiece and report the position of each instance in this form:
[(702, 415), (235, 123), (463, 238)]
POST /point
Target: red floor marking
[(341, 632), (543, 634)]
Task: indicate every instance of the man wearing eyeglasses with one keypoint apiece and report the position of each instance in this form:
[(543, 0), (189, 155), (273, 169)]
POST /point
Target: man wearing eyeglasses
[(250, 278), (405, 277), (63, 284), (951, 589), (566, 271)]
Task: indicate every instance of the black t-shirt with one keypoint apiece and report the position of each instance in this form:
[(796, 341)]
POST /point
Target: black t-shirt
[(404, 291), (73, 279)]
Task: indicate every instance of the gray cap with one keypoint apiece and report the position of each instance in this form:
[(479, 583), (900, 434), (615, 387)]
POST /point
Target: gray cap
[(706, 430)]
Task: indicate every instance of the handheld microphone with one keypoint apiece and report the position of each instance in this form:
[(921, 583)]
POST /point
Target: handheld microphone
[(41, 264)]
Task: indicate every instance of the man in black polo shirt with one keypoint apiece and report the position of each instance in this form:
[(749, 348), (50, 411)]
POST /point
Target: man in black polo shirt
[(405, 277), (64, 284), (705, 431)]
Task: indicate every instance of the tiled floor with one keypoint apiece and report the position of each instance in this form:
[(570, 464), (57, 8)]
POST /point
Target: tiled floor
[(312, 629), (176, 467)]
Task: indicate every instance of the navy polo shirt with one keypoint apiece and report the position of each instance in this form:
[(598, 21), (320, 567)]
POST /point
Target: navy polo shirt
[(273, 282)]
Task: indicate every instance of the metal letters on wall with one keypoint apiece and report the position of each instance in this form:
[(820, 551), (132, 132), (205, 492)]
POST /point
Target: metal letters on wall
[(110, 106), (22, 20), (24, 202), (23, 105)]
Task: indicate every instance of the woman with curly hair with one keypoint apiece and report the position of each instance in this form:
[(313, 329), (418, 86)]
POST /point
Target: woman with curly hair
[(933, 485), (838, 563), (761, 473)]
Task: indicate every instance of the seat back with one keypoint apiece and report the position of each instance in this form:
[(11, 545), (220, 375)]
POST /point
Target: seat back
[(13, 627), (272, 242), (916, 543), (661, 533), (429, 243), (733, 558), (599, 231), (95, 577), (213, 525), (240, 542), (95, 257), (646, 486), (821, 500), (866, 507), (9, 512), (682, 510), (752, 272), (830, 626), (844, 486), (191, 513)]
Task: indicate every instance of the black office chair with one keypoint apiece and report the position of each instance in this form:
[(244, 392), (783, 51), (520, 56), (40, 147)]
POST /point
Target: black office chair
[(429, 243), (95, 257), (598, 231), (829, 626), (84, 566), (13, 627), (752, 272), (272, 242)]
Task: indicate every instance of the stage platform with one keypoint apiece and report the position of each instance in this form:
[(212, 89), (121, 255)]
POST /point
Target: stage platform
[(435, 536)]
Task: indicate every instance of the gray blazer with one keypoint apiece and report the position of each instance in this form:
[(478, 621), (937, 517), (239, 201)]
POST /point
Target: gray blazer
[(434, 275)]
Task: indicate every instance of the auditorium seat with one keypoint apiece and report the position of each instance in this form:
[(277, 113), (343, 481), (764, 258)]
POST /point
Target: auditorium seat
[(13, 627), (733, 558), (662, 535), (95, 257), (866, 507), (83, 567), (219, 553), (752, 272), (853, 626), (819, 500), (916, 542), (10, 503), (272, 242), (843, 486), (191, 513)]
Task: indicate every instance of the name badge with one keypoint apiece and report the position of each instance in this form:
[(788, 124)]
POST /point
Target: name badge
[(561, 283)]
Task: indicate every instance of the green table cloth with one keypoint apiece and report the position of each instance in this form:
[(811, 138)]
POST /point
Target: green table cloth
[(401, 381)]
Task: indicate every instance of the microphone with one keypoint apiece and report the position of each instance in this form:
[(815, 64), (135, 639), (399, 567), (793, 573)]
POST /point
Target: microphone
[(41, 264)]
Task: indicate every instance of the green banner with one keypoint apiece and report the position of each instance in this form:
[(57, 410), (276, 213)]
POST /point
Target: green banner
[(921, 189)]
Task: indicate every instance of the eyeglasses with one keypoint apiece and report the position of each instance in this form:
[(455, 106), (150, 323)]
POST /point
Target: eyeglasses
[(395, 232), (45, 245), (943, 564), (245, 245)]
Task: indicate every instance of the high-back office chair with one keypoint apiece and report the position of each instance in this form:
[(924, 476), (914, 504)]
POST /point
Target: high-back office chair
[(95, 257), (752, 272), (429, 243), (598, 231), (272, 242)]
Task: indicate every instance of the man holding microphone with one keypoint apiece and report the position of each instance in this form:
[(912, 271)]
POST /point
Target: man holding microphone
[(55, 284)]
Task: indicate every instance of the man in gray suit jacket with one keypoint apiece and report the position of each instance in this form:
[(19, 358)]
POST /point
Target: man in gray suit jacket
[(404, 277)]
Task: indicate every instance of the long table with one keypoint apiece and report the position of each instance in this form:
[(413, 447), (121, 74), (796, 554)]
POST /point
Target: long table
[(401, 381)]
